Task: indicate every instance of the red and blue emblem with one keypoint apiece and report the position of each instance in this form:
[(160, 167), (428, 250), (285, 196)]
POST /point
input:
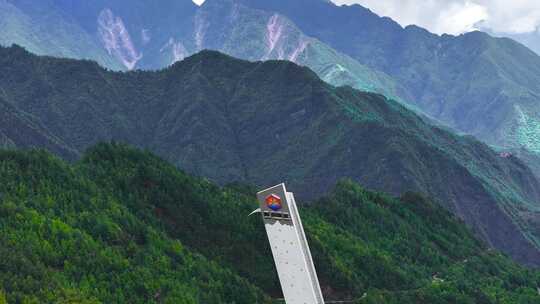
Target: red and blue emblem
[(273, 202)]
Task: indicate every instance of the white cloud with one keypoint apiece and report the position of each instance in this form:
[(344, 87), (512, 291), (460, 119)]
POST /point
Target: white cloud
[(458, 16), (198, 2), (517, 16)]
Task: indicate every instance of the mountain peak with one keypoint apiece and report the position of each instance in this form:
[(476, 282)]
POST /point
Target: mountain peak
[(211, 54)]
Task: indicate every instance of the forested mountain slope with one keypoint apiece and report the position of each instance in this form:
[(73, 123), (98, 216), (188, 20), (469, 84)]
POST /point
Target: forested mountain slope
[(475, 83), (122, 225), (268, 122), (18, 129), (127, 35)]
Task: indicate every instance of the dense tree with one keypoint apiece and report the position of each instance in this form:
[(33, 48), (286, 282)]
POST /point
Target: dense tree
[(264, 122), (123, 226)]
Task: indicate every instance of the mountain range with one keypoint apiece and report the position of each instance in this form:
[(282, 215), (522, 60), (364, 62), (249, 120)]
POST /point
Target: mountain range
[(266, 122), (477, 84), (123, 226), (130, 35), (473, 83)]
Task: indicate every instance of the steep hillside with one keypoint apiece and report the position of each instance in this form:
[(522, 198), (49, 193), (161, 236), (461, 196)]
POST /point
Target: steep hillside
[(267, 122), (64, 240), (531, 39), (477, 84), (118, 34), (123, 226), (247, 33), (129, 35), (44, 29), (474, 83), (23, 131)]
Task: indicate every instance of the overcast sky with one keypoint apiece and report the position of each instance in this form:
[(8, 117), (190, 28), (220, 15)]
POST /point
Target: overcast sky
[(458, 16)]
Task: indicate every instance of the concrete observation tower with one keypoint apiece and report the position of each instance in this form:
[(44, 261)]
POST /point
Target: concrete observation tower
[(289, 245)]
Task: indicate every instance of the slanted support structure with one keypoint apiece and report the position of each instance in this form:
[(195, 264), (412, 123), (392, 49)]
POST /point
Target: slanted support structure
[(289, 245)]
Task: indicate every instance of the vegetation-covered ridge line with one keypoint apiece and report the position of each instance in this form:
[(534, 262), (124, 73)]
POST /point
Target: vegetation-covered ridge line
[(122, 225), (266, 122)]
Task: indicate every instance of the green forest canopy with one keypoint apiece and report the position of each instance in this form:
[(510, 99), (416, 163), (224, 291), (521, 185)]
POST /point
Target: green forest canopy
[(123, 226)]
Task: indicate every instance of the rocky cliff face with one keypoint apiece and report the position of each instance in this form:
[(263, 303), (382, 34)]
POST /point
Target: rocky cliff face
[(116, 39)]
